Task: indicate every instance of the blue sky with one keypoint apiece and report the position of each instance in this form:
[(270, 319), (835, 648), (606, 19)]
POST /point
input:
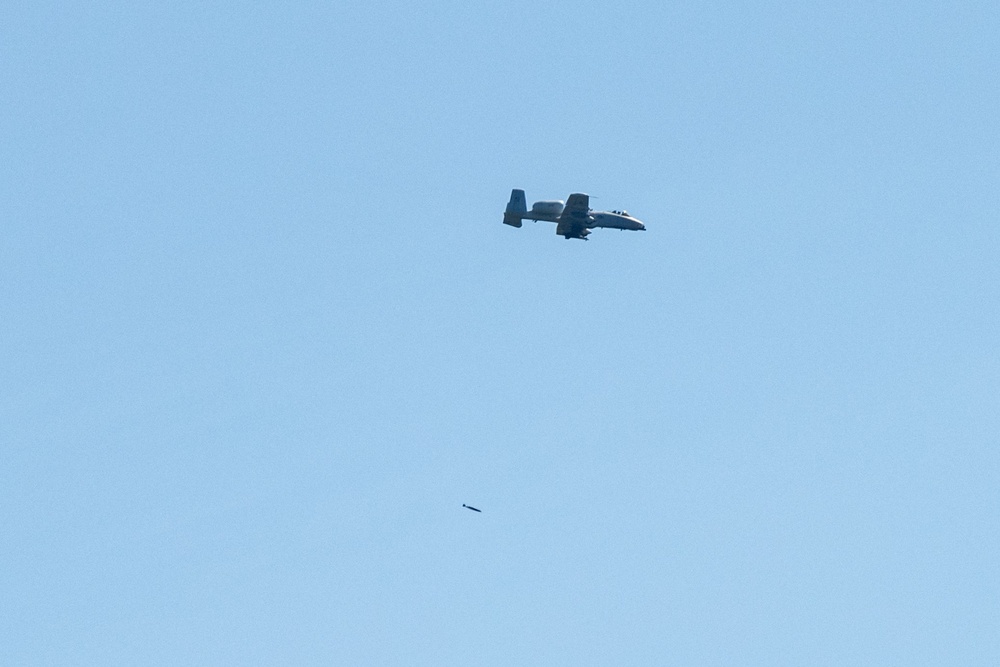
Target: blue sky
[(263, 333)]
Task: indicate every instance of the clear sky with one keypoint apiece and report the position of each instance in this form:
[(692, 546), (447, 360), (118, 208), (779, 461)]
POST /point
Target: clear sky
[(262, 333)]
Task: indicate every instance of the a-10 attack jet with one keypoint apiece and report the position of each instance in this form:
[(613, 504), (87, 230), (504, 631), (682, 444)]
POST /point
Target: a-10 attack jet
[(574, 219)]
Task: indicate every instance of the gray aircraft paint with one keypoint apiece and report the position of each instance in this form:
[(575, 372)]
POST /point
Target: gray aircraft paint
[(574, 218)]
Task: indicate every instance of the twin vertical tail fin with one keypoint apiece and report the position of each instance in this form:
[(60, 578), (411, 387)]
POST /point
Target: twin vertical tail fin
[(517, 207)]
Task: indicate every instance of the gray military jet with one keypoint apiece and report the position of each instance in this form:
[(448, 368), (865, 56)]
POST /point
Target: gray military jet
[(574, 219)]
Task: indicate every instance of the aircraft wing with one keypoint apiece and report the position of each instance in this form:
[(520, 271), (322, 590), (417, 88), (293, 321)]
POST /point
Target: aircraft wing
[(574, 215), (577, 206)]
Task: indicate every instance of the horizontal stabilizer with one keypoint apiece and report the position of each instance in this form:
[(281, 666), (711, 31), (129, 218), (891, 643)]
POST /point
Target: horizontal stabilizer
[(512, 219)]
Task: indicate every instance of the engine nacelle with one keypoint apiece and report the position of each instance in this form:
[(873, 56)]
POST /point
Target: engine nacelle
[(547, 208)]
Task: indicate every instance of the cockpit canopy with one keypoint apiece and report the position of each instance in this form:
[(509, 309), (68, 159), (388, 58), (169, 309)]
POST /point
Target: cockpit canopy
[(624, 213)]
